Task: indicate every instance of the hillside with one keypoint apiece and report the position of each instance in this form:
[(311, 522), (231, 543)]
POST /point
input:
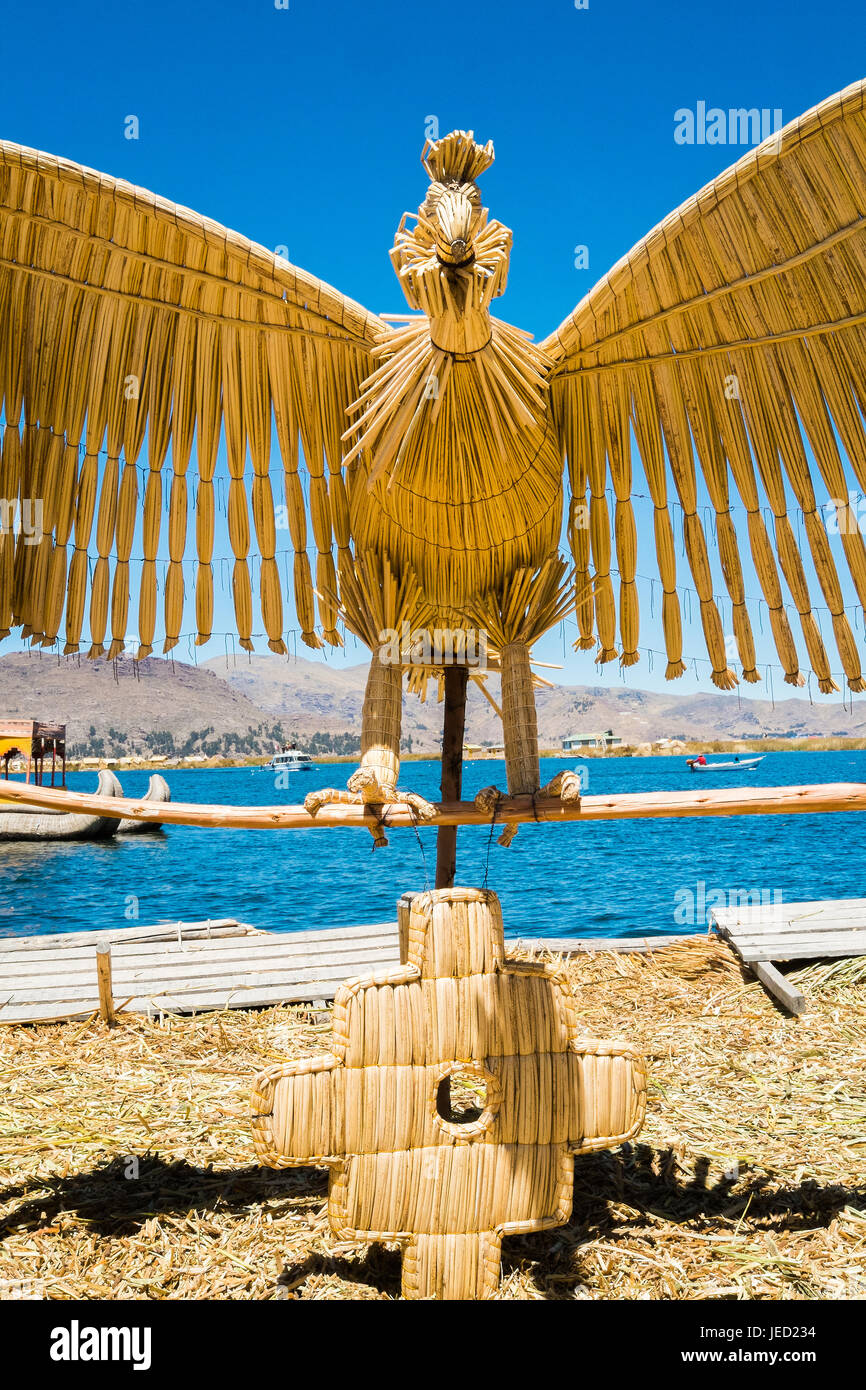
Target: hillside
[(245, 707), (156, 707)]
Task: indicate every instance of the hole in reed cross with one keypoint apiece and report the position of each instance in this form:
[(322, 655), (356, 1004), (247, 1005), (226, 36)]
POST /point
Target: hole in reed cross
[(461, 1097)]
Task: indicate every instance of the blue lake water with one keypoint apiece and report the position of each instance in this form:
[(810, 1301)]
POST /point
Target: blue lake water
[(616, 878)]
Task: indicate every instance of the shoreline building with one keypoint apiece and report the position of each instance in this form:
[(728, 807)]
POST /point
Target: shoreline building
[(575, 742)]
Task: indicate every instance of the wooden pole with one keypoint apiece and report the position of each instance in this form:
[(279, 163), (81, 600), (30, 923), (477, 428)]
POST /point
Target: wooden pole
[(103, 979), (456, 679), (520, 810)]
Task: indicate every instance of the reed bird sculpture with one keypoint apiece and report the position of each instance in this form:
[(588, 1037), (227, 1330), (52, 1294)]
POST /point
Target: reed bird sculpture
[(729, 346)]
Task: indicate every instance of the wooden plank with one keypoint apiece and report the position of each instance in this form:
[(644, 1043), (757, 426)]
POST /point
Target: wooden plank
[(800, 947), (780, 926), (818, 943), (238, 958), (160, 931), (772, 939), (807, 950), (147, 981), (582, 945), (204, 1002), (774, 917), (796, 938), (796, 929), (753, 938), (254, 939), (818, 905), (231, 956), (246, 952), (774, 981), (736, 801)]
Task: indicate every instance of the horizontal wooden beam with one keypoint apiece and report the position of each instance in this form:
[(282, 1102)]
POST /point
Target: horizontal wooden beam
[(737, 801)]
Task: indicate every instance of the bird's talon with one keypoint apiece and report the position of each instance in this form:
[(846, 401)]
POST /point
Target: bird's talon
[(328, 796), (487, 799), (565, 785), (365, 789)]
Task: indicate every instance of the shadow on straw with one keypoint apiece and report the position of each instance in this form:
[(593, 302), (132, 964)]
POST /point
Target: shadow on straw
[(116, 1204), (639, 1189)]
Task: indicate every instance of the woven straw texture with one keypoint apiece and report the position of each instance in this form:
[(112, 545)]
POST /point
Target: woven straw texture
[(402, 1170), (727, 341), (734, 334)]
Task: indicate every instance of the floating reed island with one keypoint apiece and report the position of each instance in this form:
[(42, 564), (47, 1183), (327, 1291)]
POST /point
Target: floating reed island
[(743, 1183)]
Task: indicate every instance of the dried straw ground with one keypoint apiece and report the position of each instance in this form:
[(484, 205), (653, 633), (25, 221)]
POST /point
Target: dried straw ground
[(733, 1082)]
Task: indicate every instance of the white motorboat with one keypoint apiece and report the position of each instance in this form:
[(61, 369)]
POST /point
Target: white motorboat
[(290, 760), (738, 765)]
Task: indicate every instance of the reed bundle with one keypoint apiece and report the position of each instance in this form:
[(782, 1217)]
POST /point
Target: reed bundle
[(466, 483), (527, 605)]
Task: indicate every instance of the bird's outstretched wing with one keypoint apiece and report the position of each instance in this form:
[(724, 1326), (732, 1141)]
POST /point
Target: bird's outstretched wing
[(734, 334), (124, 316)]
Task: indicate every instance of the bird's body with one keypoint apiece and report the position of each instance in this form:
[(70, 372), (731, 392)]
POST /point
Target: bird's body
[(454, 468), (475, 490)]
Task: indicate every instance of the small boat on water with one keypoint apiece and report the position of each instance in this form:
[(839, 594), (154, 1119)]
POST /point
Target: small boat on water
[(290, 760), (737, 765)]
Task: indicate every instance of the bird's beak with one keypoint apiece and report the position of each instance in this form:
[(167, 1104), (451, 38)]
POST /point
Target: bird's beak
[(455, 224)]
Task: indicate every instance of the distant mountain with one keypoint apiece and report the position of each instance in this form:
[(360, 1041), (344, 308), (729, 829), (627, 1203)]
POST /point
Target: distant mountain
[(249, 704), (302, 691)]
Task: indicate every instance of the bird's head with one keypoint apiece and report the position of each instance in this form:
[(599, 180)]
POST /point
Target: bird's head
[(452, 209), (453, 261)]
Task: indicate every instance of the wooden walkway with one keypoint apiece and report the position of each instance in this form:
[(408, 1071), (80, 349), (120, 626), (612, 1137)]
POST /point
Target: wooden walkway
[(792, 931), (194, 967)]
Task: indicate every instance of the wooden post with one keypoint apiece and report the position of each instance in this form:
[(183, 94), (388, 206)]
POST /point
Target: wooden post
[(103, 977), (456, 679), (773, 980)]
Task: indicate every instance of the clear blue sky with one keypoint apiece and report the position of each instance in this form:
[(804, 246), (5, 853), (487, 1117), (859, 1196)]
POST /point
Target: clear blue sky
[(302, 127)]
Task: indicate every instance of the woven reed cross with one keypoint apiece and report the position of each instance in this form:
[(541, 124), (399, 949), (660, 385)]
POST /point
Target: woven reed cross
[(403, 1166)]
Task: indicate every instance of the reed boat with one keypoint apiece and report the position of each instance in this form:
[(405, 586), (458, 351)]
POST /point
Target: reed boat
[(57, 824), (157, 790)]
